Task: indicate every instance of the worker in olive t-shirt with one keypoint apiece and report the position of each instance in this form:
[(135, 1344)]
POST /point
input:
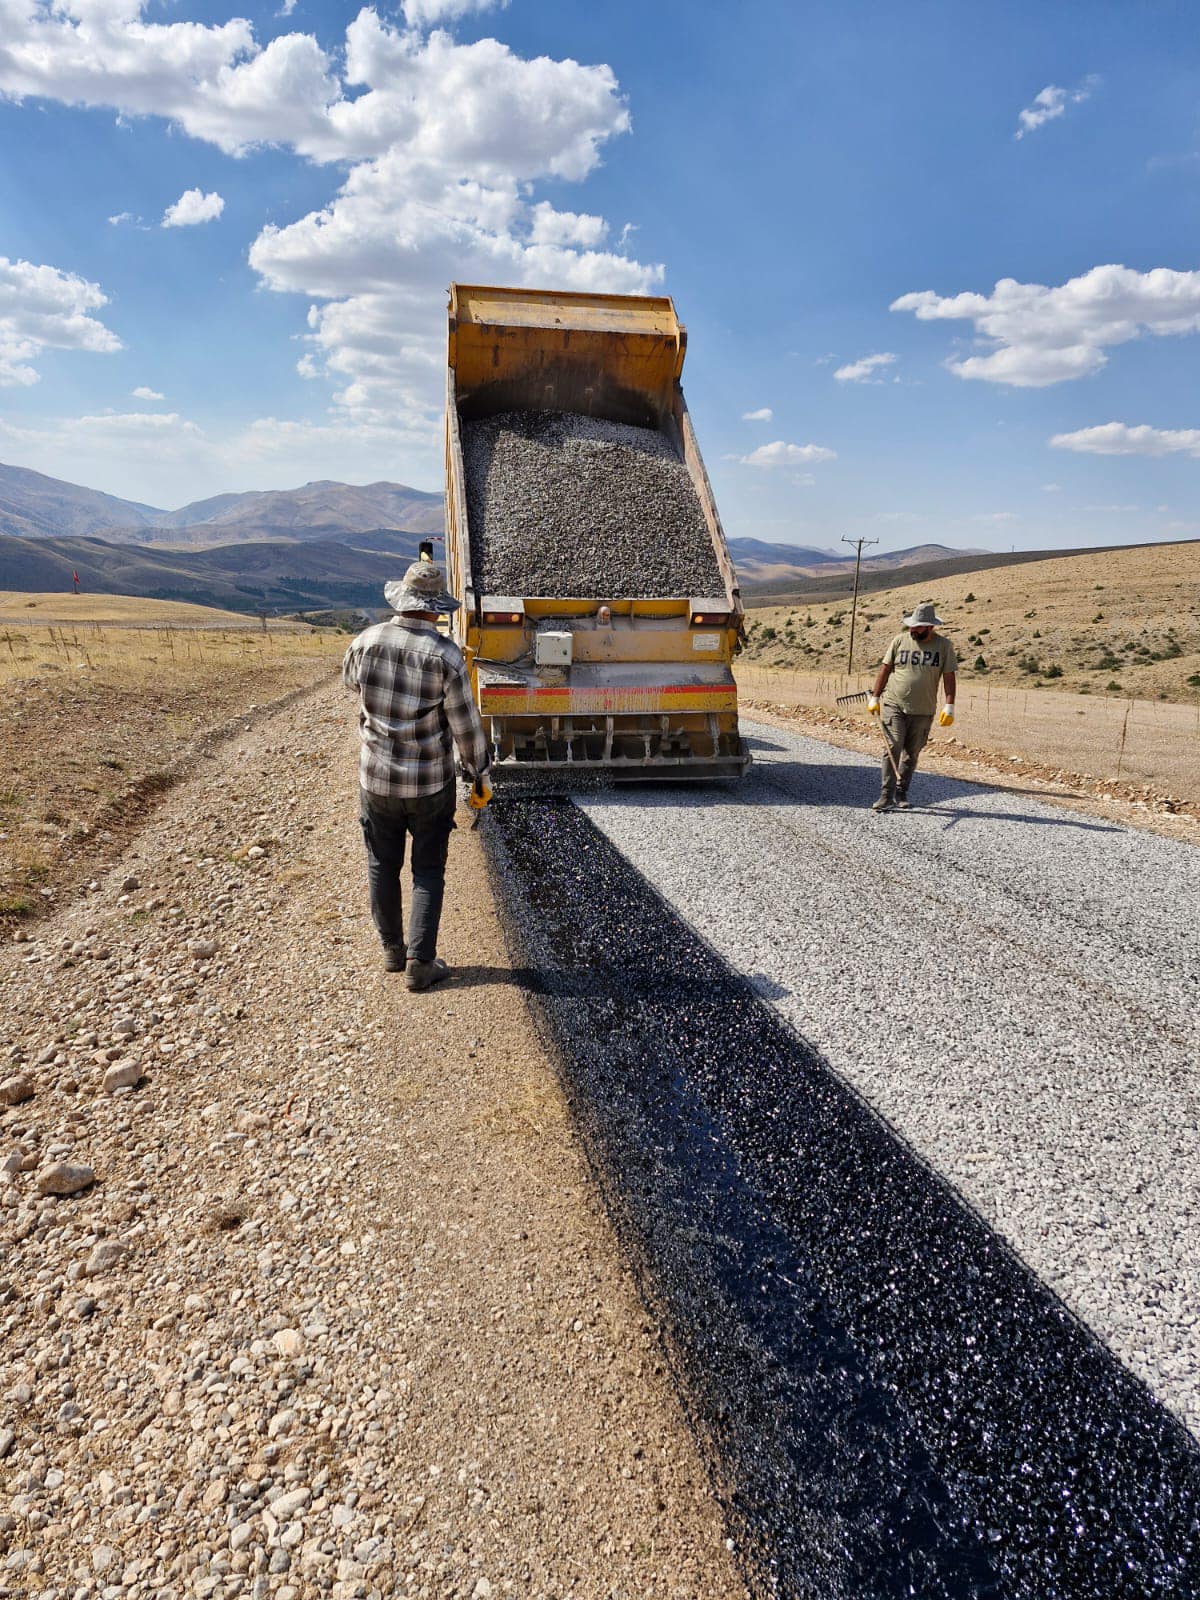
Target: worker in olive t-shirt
[(908, 684)]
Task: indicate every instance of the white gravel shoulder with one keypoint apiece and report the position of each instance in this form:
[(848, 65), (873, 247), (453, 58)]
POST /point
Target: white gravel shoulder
[(1012, 985)]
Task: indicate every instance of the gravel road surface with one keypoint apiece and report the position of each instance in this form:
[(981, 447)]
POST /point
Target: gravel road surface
[(898, 1405), (561, 505), (1012, 986), (305, 1289)]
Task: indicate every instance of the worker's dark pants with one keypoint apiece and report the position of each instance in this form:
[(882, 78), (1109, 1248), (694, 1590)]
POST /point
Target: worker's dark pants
[(386, 826), (907, 736)]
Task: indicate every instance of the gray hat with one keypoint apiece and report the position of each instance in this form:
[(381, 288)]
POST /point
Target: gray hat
[(422, 588), (924, 616)]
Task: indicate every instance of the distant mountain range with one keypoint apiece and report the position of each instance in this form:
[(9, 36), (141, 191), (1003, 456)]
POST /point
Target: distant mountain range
[(776, 567), (266, 575), (323, 545), (35, 506)]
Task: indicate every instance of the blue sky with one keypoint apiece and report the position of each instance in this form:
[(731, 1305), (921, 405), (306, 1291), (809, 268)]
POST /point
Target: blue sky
[(951, 250)]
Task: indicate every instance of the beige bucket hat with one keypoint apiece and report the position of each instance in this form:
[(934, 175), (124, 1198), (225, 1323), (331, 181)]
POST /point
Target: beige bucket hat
[(422, 588), (924, 616)]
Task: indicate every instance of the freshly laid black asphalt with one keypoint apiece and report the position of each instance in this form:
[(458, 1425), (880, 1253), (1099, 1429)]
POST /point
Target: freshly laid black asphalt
[(894, 1404)]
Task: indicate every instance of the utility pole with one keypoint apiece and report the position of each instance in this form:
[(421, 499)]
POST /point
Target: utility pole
[(858, 550)]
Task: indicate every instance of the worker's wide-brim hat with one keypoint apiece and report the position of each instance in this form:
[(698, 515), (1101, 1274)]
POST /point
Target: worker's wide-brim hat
[(924, 616), (422, 588)]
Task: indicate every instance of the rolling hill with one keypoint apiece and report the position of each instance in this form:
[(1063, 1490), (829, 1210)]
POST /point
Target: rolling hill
[(323, 510), (779, 568), (260, 576), (33, 506)]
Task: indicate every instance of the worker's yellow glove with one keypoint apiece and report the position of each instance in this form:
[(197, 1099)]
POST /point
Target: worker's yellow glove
[(946, 720), (480, 794), (873, 705)]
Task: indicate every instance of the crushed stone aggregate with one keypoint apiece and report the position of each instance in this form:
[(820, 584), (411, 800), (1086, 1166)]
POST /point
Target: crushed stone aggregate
[(565, 505), (1012, 986)]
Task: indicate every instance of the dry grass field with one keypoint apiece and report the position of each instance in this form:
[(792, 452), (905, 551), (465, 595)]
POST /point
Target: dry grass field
[(102, 709), (1125, 623), (101, 610)]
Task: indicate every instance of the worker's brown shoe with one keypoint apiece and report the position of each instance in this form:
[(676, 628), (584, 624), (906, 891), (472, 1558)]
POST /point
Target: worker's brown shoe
[(424, 974), (903, 803), (882, 804), (394, 957)]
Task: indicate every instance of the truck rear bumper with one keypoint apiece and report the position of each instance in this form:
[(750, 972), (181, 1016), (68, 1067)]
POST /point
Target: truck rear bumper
[(622, 721)]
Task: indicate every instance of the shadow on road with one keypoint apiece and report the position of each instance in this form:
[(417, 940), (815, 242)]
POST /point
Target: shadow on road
[(854, 787)]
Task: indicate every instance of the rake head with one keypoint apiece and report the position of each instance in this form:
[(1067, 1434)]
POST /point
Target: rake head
[(859, 699)]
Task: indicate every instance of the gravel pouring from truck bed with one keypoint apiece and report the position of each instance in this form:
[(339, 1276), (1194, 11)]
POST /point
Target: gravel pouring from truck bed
[(560, 504), (1013, 986)]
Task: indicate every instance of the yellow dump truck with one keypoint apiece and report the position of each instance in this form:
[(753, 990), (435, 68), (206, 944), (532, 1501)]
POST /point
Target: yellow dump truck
[(595, 676)]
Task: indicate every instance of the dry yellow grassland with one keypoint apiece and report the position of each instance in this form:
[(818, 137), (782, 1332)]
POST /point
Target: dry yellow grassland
[(1123, 623), (17, 606), (96, 718)]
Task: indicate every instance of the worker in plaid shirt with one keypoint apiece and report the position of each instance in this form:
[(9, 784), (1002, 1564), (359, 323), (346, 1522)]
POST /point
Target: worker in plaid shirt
[(414, 697)]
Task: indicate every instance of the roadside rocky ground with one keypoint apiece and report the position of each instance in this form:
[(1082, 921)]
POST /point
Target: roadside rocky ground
[(305, 1289)]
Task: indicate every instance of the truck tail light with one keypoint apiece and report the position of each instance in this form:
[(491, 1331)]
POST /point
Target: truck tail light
[(700, 618), (503, 618)]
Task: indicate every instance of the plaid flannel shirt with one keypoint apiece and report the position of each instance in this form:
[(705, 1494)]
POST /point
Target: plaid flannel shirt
[(414, 696)]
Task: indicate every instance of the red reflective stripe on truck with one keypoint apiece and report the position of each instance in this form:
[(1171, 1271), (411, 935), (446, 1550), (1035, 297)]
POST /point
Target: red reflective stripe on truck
[(663, 688)]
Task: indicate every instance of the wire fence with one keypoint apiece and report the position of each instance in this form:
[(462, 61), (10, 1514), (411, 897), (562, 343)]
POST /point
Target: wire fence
[(1111, 737)]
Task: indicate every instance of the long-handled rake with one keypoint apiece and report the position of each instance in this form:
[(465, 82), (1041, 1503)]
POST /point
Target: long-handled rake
[(860, 699)]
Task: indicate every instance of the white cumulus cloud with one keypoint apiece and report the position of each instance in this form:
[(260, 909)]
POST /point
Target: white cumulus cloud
[(442, 145), (42, 308), (1037, 335), (1051, 103), (548, 226), (763, 414), (865, 370), (427, 13), (781, 454), (1119, 439), (142, 393), (192, 207)]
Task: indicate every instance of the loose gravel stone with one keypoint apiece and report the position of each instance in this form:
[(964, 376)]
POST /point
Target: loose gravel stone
[(288, 1341), (17, 1089), (65, 1178), (106, 1255), (560, 505), (122, 1076)]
